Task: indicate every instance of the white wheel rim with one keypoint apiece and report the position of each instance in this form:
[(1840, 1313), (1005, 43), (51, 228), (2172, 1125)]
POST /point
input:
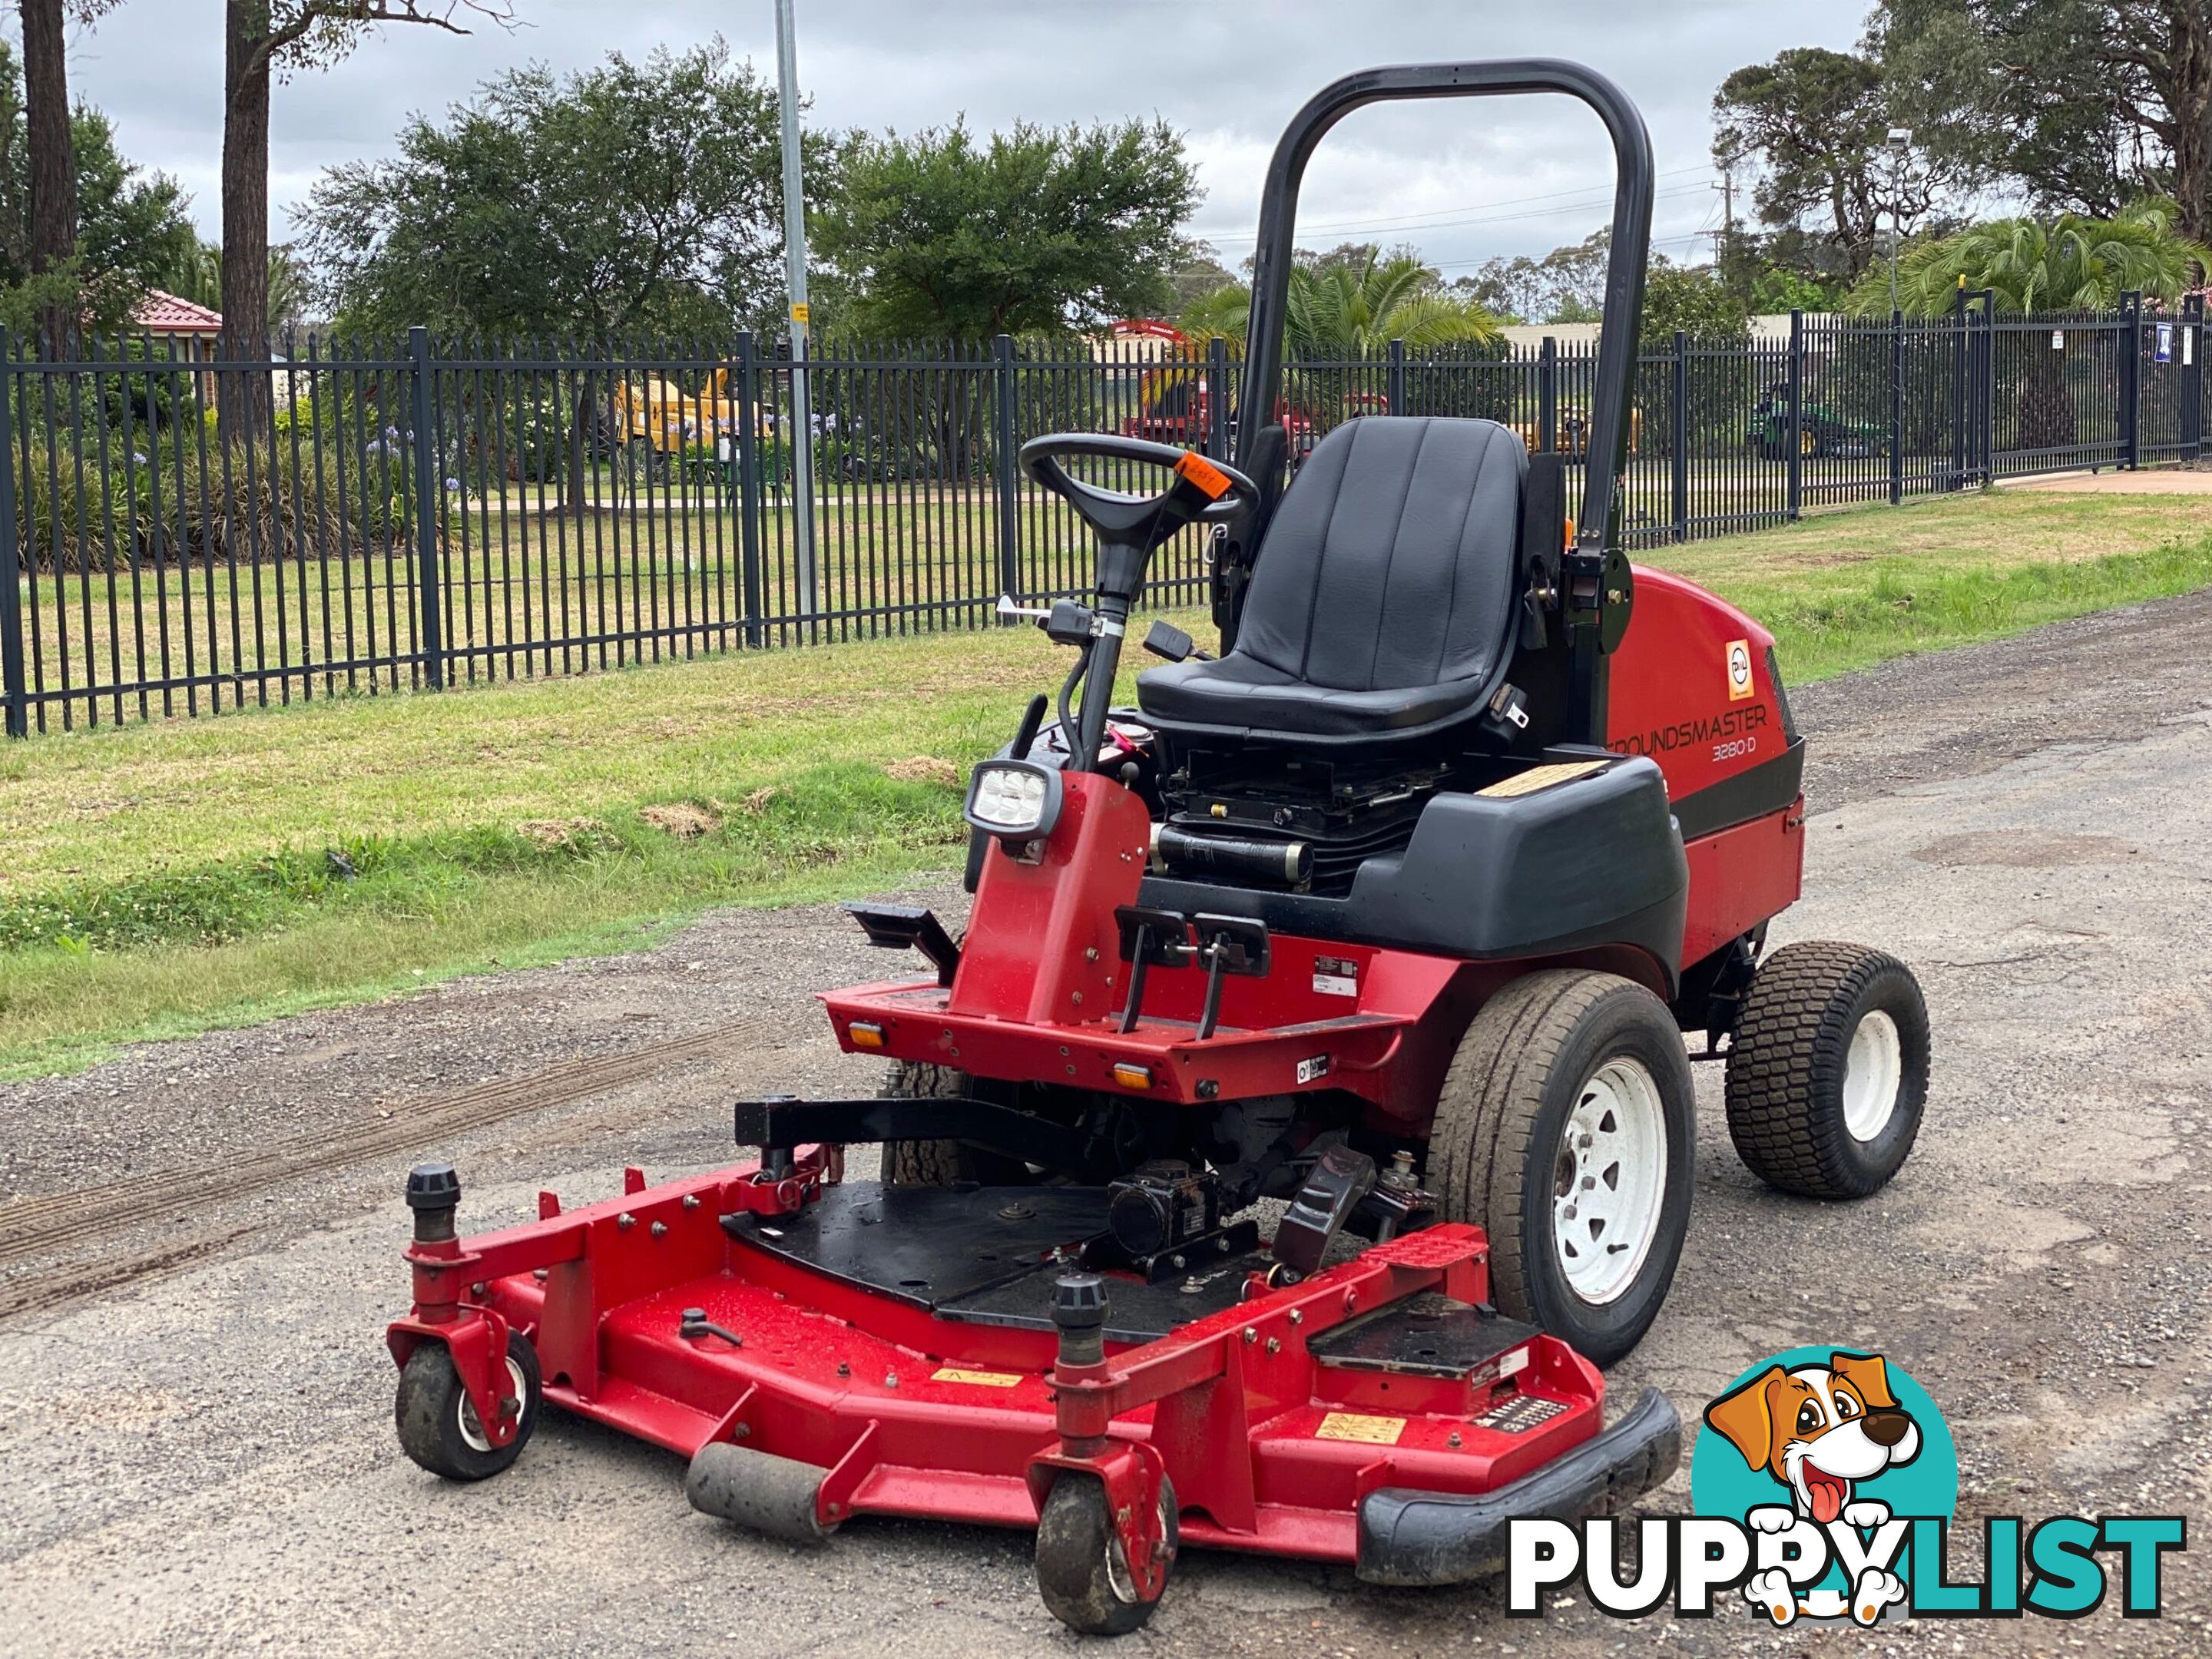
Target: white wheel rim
[(472, 1425), (1873, 1072), (1610, 1179)]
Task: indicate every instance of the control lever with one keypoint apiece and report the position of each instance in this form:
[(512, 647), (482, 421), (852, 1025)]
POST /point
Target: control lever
[(1010, 612)]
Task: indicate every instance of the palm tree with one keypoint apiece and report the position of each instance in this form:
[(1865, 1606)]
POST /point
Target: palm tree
[(1352, 309), (2069, 264)]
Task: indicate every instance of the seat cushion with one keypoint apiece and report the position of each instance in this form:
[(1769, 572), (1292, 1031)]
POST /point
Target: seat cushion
[(1382, 602)]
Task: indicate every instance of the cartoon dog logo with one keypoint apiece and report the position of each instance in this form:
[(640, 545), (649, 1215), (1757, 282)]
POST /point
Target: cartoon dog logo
[(1820, 1431)]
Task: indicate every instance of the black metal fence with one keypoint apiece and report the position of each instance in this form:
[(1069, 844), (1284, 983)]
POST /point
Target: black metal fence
[(412, 514)]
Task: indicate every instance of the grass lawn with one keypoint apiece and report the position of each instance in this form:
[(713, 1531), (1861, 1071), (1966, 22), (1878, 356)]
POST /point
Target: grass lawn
[(157, 879)]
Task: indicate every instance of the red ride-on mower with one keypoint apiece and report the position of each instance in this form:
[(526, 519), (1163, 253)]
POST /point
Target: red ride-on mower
[(1396, 913)]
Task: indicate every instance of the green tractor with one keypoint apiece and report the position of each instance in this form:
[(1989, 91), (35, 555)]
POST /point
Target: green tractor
[(1821, 429)]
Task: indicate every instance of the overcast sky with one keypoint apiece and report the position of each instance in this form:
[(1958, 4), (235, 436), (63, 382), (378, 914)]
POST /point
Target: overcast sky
[(1461, 181)]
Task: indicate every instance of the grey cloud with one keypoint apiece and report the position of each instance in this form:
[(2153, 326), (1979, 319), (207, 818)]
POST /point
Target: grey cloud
[(1461, 181)]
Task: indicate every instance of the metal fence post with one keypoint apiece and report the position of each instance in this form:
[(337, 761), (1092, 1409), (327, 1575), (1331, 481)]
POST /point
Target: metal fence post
[(1547, 394), (1793, 461), (2192, 376), (1896, 407), (1010, 568), (748, 496), (1394, 384), (1216, 398), (431, 638), (1682, 435), (2130, 340), (15, 694)]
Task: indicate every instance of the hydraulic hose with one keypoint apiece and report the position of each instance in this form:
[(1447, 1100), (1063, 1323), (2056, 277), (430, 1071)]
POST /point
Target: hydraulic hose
[(1069, 734)]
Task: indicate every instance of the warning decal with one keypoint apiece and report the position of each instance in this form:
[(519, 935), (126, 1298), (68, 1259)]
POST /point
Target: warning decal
[(1739, 671), (1351, 1425), (980, 1379)]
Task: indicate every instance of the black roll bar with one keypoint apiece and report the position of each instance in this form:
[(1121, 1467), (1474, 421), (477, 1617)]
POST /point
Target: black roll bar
[(1607, 454)]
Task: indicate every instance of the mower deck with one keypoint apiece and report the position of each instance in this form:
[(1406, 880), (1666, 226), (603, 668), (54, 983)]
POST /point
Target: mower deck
[(899, 1346)]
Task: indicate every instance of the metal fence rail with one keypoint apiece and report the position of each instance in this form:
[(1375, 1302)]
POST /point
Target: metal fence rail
[(411, 513)]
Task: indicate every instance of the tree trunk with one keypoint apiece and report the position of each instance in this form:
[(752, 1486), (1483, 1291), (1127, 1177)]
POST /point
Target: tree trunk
[(243, 396), (576, 491), (2189, 103), (53, 164)]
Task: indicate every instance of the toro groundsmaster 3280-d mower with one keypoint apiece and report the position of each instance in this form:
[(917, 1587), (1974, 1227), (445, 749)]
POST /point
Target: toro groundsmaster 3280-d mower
[(1396, 913)]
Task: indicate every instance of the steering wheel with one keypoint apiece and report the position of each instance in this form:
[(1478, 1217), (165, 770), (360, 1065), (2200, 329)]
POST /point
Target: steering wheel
[(1203, 491)]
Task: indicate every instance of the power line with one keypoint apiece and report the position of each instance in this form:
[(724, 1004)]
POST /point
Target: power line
[(1569, 202)]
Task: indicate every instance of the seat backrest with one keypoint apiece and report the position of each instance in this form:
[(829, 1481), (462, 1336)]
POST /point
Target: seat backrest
[(1391, 562)]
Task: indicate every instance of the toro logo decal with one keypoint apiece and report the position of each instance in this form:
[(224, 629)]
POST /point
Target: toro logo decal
[(1824, 1484), (1741, 688)]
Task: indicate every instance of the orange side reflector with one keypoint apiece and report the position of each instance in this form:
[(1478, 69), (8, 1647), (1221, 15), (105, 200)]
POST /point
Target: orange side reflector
[(1201, 472), (1132, 1076), (1569, 540), (865, 1036)]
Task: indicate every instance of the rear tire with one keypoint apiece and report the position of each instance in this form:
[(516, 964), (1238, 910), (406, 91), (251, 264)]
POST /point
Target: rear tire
[(1564, 1129), (1081, 1572), (923, 1163), (940, 1162), (1827, 1073)]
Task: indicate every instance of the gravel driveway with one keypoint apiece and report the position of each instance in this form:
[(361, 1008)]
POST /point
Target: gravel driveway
[(196, 1452)]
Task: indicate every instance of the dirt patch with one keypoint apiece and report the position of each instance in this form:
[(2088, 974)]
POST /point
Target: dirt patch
[(681, 819), (558, 832), (2025, 849), (923, 768)]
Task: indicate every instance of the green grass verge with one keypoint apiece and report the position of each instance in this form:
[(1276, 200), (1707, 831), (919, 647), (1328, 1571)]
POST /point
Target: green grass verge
[(160, 880)]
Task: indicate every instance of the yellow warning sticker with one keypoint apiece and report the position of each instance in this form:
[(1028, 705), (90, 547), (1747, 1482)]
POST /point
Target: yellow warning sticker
[(1351, 1425), (1541, 777), (980, 1379)]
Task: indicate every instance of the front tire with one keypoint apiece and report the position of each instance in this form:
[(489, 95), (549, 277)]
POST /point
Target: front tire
[(440, 1429), (1566, 1130), (1827, 1073)]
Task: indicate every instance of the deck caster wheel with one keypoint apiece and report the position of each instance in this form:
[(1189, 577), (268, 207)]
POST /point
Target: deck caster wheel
[(1564, 1129), (1081, 1570), (1828, 1071), (438, 1426)]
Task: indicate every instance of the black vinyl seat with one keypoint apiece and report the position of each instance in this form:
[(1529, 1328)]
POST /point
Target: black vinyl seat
[(1383, 603)]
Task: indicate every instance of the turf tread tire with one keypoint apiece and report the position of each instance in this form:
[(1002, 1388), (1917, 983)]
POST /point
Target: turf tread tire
[(1787, 1060)]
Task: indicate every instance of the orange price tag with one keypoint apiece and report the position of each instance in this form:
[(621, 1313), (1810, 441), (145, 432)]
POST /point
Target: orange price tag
[(1198, 470)]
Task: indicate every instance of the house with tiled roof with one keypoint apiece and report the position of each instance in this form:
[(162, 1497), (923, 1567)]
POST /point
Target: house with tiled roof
[(164, 315)]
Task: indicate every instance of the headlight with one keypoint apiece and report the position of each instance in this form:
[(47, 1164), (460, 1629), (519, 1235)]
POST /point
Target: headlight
[(1018, 799)]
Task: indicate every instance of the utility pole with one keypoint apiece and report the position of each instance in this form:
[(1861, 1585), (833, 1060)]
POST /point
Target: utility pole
[(1727, 188), (794, 262), (1900, 141)]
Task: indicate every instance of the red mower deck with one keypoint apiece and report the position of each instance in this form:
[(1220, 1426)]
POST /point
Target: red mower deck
[(1319, 1419)]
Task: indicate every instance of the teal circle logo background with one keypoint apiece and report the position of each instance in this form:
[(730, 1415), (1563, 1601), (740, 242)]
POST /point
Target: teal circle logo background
[(1722, 1484)]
